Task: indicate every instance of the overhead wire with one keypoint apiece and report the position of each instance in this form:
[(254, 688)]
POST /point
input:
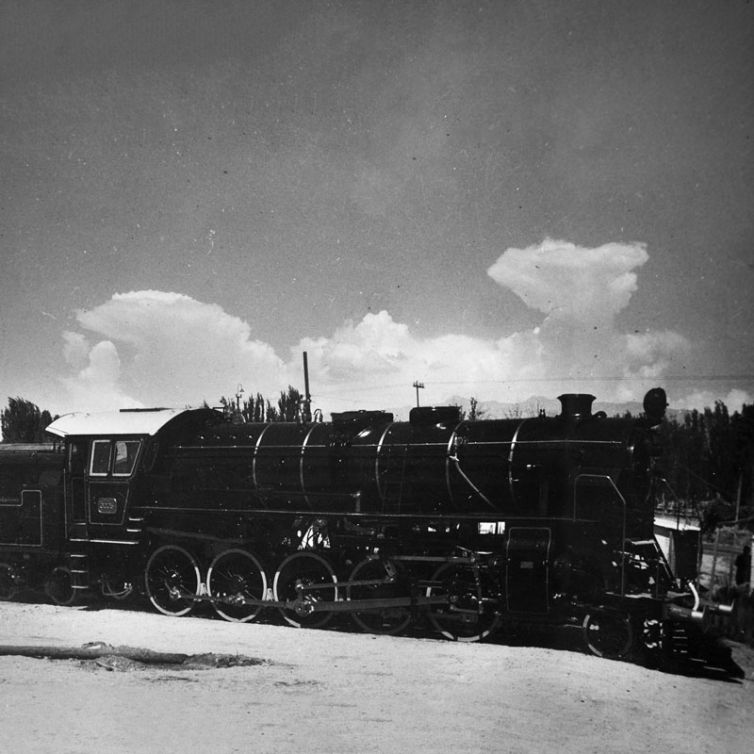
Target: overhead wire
[(341, 393)]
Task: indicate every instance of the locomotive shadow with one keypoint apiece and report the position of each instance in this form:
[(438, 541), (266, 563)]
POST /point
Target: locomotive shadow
[(720, 664), (726, 661)]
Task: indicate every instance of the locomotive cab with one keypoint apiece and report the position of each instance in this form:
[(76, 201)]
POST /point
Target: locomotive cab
[(106, 457)]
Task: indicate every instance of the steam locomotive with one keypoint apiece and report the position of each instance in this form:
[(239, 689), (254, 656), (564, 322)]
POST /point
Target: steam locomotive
[(462, 526)]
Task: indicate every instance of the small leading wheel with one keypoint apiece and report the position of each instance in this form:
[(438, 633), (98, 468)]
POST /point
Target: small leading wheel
[(304, 579), (172, 580), (608, 634), (385, 585), (463, 617), (8, 587), (235, 576), (59, 586)]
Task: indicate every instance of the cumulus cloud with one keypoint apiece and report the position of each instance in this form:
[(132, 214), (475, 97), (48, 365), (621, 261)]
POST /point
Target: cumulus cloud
[(160, 348), (96, 386), (167, 349), (380, 359), (580, 291), (569, 282), (75, 349)]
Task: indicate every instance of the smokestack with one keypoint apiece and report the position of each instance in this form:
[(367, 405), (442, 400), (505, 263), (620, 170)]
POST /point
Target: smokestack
[(576, 406)]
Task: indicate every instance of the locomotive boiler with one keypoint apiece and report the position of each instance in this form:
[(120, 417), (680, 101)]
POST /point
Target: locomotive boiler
[(461, 526)]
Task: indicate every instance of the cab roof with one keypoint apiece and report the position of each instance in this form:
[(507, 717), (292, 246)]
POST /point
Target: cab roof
[(116, 423)]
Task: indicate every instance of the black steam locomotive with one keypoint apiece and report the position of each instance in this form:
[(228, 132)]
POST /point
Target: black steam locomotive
[(460, 525)]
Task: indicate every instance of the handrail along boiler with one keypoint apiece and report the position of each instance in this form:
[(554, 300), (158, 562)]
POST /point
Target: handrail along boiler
[(465, 525)]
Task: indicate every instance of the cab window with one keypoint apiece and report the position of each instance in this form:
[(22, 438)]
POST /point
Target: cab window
[(124, 457), (100, 458), (77, 453), (115, 457)]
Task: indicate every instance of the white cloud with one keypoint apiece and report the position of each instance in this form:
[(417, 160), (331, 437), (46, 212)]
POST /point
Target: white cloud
[(167, 349), (75, 349), (570, 282), (701, 399), (580, 291), (159, 348), (96, 386), (377, 360)]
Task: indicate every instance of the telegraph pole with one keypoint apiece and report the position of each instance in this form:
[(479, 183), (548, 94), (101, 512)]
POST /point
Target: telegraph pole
[(238, 417), (418, 386), (307, 407)]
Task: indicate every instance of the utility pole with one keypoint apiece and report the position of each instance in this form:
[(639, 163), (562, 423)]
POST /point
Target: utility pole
[(418, 386), (237, 417), (307, 407)]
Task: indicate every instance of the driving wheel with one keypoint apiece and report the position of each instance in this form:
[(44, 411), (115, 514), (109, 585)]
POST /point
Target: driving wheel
[(303, 580), (172, 580), (234, 577)]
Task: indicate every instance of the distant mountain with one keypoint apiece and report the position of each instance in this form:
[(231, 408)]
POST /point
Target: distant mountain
[(532, 407), (551, 406)]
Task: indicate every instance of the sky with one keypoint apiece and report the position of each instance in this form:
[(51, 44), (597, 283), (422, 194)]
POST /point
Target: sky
[(495, 199)]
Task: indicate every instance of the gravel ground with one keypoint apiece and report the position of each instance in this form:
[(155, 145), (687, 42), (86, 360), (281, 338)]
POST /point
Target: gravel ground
[(335, 691)]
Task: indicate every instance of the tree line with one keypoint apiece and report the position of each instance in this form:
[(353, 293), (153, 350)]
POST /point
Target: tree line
[(22, 421), (289, 407), (708, 462)]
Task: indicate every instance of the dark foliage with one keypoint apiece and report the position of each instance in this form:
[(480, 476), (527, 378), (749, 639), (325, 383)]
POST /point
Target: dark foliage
[(259, 409), (22, 421), (709, 463)]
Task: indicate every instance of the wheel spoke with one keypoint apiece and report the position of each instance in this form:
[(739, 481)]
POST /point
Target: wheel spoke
[(608, 634), (59, 586), (464, 617), (236, 575), (172, 580), (387, 584), (297, 581)]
